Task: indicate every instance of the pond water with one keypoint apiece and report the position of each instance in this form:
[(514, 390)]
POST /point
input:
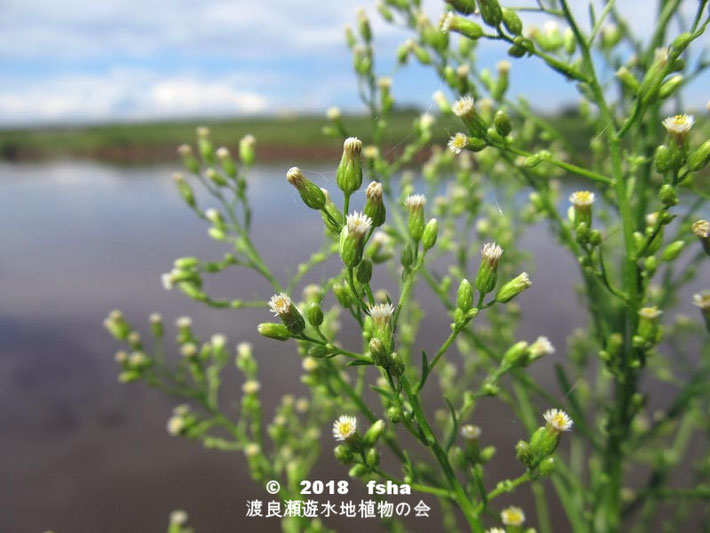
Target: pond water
[(81, 453)]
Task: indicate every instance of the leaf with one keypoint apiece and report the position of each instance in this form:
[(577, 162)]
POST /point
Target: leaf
[(381, 391), (359, 362), (425, 371), (455, 429), (592, 15)]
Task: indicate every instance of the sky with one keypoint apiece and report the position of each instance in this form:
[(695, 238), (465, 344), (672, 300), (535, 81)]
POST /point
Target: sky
[(90, 61)]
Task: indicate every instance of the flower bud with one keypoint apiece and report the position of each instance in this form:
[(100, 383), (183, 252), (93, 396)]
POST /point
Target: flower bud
[(372, 458), (699, 158), (415, 221), (352, 238), (311, 194), (247, 145), (343, 454), (282, 307), (463, 26), (396, 365), (488, 271), (628, 79), (464, 295), (374, 433), (702, 301), (701, 229), (667, 195), (188, 158), (547, 466), (465, 110), (431, 231), (524, 454), (670, 86), (395, 415), (407, 256), (582, 207), (663, 159), (672, 251), (381, 315), (512, 21), (463, 6), (348, 176), (364, 271), (491, 12), (184, 189), (227, 162), (314, 314), (204, 145), (274, 331), (342, 294), (512, 288), (378, 352), (374, 206), (501, 121)]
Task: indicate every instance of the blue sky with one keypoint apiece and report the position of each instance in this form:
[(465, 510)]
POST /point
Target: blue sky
[(104, 60)]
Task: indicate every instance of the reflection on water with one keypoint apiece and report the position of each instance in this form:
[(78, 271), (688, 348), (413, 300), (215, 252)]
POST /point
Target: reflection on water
[(79, 452)]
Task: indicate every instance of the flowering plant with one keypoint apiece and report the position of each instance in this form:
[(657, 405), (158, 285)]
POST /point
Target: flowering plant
[(604, 444)]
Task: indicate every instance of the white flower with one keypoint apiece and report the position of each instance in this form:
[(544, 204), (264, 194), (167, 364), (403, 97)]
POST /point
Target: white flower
[(280, 304), (167, 280), (203, 131), (212, 215), (121, 356), (491, 252), (381, 313), (295, 177), (463, 106), (175, 425), (426, 121), (218, 340), (333, 113), (222, 152), (541, 346), (652, 218), (251, 387), (581, 198), (702, 300), (370, 152), (178, 517), (358, 223), (503, 67), (462, 71), (458, 142), (558, 420), (188, 350), (183, 322), (309, 364), (512, 516), (184, 150), (446, 20), (470, 432), (440, 98), (344, 427), (650, 313), (678, 125), (244, 349), (701, 228), (155, 318), (495, 530), (385, 82), (251, 449), (415, 201)]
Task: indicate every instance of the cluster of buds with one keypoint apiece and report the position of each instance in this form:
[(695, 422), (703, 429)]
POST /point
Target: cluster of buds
[(648, 333), (355, 449), (182, 422), (537, 455)]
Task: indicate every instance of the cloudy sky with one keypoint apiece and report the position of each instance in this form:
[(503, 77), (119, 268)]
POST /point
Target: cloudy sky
[(101, 60)]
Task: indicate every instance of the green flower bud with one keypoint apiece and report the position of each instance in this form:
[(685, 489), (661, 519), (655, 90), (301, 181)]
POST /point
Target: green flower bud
[(311, 194), (343, 294), (464, 26), (512, 21), (628, 79), (343, 454), (699, 158), (215, 177), (374, 433), (464, 295), (381, 315), (348, 176), (247, 145), (610, 36), (188, 158), (702, 301), (668, 196), (524, 454), (282, 306), (364, 25), (334, 222), (396, 364), (543, 443), (516, 356), (491, 12), (514, 287), (364, 271), (314, 314), (582, 207), (274, 331), (378, 352), (407, 256), (184, 189), (547, 466), (352, 238), (395, 415), (358, 471), (227, 162), (372, 458), (488, 271), (672, 251), (463, 6), (670, 86), (415, 221), (374, 206), (117, 325), (502, 123), (431, 231), (204, 145), (569, 41), (649, 329)]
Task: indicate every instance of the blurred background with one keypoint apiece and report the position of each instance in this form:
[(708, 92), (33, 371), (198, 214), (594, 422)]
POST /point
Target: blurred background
[(95, 98)]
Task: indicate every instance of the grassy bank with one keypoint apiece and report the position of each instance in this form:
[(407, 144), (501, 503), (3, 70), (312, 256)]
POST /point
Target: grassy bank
[(278, 137)]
